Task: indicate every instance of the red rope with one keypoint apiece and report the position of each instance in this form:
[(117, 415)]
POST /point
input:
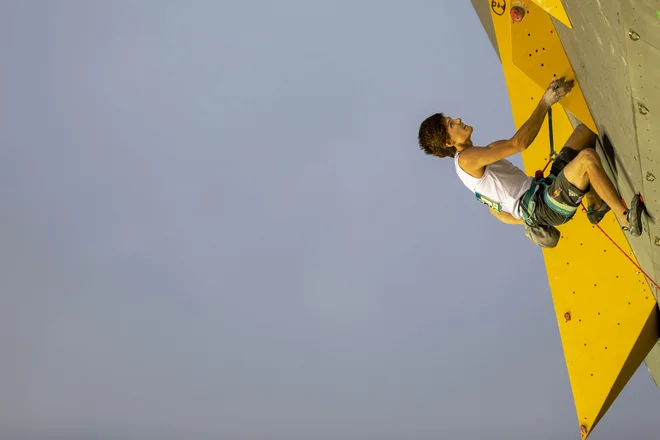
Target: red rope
[(624, 252), (546, 165), (605, 233), (539, 174)]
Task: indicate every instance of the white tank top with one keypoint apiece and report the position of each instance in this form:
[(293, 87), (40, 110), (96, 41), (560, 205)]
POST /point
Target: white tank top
[(502, 182)]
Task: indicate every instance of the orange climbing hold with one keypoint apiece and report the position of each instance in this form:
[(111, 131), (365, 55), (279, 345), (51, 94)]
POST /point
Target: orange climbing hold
[(517, 13)]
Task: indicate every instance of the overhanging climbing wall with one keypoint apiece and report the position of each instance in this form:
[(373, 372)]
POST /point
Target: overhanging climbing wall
[(606, 312), (614, 49)]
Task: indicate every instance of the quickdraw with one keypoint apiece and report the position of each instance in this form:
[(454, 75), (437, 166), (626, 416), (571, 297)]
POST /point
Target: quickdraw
[(539, 182), (553, 153)]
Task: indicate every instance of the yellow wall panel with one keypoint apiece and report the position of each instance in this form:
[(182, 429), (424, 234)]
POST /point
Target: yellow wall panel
[(556, 9), (605, 311), (537, 51)]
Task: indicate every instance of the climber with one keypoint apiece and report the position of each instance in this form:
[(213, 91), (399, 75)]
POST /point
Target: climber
[(516, 198)]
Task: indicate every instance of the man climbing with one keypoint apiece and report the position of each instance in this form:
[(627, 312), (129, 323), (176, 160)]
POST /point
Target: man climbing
[(514, 197)]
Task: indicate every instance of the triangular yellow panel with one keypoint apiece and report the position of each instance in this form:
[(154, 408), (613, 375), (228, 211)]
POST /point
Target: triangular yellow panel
[(611, 323), (605, 311), (556, 9), (537, 51)]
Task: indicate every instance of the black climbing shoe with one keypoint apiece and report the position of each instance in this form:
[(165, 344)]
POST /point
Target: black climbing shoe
[(595, 216), (634, 216)]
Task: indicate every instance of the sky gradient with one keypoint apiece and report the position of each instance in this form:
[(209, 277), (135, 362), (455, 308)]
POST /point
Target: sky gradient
[(217, 224)]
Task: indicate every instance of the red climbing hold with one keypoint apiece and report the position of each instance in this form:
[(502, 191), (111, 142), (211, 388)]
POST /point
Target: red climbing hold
[(517, 13)]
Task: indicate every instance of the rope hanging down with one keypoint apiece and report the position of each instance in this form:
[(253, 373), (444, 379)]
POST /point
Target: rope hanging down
[(624, 252), (540, 173)]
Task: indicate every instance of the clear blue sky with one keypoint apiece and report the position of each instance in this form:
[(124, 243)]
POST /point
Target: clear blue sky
[(217, 224)]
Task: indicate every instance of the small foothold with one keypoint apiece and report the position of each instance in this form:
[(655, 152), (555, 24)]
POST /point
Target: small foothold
[(583, 429), (517, 13), (567, 316), (649, 176), (642, 109), (657, 241), (633, 35)]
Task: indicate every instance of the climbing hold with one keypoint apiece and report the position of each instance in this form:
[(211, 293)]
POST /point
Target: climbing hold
[(633, 35), (649, 176), (657, 241), (583, 429), (567, 316), (517, 13), (642, 109)]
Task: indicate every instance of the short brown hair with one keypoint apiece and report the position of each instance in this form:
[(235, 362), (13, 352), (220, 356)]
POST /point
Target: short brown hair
[(433, 137)]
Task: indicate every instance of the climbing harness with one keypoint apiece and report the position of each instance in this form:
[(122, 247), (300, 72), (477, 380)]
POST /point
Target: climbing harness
[(527, 204)]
